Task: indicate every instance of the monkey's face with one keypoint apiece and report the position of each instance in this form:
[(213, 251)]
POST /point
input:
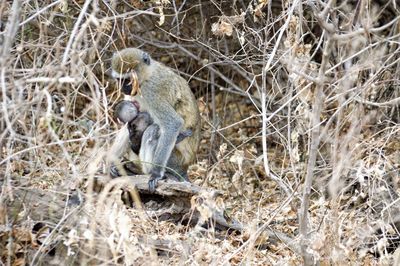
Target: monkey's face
[(131, 66)]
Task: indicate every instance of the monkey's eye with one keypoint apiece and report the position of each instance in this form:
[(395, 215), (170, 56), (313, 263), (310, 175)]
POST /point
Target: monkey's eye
[(146, 58), (126, 86)]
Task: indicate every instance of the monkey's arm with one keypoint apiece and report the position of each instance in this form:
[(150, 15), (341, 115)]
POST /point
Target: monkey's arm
[(170, 124)]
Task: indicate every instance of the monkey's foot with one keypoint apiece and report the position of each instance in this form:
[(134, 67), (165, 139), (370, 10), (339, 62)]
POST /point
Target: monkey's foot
[(114, 171), (124, 168), (154, 180)]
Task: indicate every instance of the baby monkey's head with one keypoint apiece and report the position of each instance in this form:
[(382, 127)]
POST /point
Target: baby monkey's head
[(126, 111), (132, 67)]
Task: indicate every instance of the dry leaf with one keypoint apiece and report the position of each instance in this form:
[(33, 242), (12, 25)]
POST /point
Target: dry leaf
[(222, 28), (225, 24), (19, 262)]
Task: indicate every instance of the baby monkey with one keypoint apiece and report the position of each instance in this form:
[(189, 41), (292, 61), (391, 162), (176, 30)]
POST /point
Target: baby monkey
[(143, 138)]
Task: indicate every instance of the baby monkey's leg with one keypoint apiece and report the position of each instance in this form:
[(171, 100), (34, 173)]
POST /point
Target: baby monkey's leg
[(148, 147)]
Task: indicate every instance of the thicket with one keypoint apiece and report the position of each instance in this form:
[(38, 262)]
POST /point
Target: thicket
[(300, 129)]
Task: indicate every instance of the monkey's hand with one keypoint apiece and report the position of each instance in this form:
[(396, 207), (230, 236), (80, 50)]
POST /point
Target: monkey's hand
[(155, 175), (183, 135), (114, 171)]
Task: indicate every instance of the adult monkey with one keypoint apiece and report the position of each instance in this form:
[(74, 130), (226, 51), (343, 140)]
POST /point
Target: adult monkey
[(168, 99)]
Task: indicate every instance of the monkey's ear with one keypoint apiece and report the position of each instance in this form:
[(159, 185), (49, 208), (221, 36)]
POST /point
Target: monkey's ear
[(146, 58)]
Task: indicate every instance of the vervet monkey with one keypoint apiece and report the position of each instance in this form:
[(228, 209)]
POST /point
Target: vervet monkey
[(143, 138), (168, 99)]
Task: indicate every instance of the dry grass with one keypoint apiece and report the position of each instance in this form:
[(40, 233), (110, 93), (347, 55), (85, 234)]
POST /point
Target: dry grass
[(300, 116)]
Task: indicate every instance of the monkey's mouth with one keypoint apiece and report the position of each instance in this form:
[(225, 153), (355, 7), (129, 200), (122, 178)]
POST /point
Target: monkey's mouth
[(130, 85)]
